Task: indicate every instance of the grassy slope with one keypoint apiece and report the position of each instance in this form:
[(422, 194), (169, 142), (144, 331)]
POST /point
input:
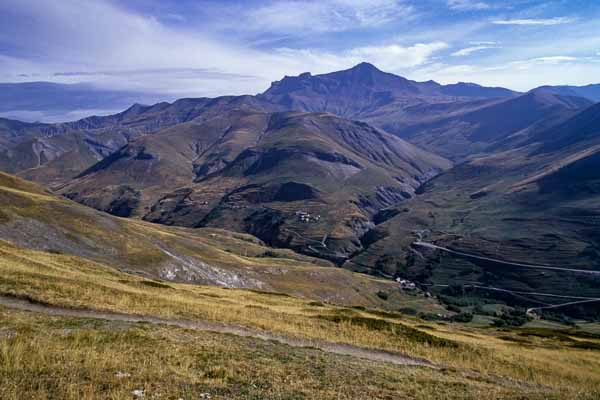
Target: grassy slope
[(539, 221), (49, 357), (33, 218), (231, 166)]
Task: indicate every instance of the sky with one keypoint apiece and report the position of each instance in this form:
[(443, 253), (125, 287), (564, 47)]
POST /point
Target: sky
[(192, 48)]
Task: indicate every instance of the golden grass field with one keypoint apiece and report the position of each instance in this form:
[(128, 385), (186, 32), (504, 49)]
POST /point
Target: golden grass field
[(44, 357)]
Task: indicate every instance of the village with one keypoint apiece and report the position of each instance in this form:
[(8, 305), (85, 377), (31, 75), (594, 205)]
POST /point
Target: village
[(306, 217)]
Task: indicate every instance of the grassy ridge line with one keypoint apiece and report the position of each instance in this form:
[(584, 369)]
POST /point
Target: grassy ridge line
[(70, 281)]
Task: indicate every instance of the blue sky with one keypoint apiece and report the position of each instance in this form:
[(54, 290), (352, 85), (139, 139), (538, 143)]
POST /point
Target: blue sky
[(209, 48)]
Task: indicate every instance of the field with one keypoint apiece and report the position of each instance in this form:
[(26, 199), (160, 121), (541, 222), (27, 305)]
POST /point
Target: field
[(44, 356)]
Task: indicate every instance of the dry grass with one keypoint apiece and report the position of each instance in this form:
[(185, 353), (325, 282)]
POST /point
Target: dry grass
[(52, 358), (551, 368)]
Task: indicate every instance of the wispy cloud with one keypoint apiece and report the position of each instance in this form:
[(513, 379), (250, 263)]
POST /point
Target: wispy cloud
[(483, 43), (520, 74), (538, 21), (184, 63), (181, 72), (548, 60), (240, 47), (470, 50), (391, 57), (468, 5), (298, 17)]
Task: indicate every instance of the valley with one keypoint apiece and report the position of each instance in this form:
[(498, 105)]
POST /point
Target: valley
[(337, 227), (287, 167)]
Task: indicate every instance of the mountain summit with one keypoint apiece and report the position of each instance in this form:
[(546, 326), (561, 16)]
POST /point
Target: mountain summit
[(364, 91)]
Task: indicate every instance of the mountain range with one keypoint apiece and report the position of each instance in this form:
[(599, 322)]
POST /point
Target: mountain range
[(362, 168)]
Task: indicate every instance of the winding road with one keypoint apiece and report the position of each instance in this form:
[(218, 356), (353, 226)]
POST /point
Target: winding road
[(515, 264), (571, 303)]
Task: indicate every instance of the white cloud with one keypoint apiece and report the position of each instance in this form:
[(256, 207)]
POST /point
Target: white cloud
[(297, 16), (540, 21), (483, 43), (469, 50), (98, 42), (468, 5), (533, 62), (520, 75), (391, 57), (554, 59), (396, 56)]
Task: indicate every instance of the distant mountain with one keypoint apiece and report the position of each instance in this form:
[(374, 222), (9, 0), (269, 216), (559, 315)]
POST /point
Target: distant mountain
[(253, 171), (52, 154), (590, 92), (361, 91), (501, 124), (464, 89), (53, 102), (578, 130)]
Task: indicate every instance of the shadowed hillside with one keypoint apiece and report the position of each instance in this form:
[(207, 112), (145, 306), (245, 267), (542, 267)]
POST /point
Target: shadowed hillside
[(33, 218), (257, 172), (537, 204)]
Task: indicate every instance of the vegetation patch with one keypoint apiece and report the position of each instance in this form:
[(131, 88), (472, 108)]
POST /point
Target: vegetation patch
[(566, 334), (382, 325), (513, 317), (4, 218), (156, 284), (275, 294)]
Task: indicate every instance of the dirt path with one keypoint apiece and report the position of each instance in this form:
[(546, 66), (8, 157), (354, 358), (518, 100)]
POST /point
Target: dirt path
[(329, 347)]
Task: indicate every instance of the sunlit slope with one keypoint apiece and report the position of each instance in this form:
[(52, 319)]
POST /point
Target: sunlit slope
[(475, 363), (33, 218)]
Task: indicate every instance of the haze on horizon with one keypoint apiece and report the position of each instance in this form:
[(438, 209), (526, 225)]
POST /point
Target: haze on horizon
[(209, 48)]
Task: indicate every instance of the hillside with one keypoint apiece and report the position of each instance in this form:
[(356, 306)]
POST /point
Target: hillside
[(536, 204), (123, 305), (502, 125), (590, 92), (115, 334), (255, 172), (53, 154), (35, 219), (347, 191)]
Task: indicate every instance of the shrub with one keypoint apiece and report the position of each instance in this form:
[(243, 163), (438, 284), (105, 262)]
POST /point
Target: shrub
[(383, 295), (462, 317), (515, 317)]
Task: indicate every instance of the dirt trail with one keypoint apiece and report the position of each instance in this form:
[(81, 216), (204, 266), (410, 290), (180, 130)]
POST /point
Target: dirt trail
[(329, 347)]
